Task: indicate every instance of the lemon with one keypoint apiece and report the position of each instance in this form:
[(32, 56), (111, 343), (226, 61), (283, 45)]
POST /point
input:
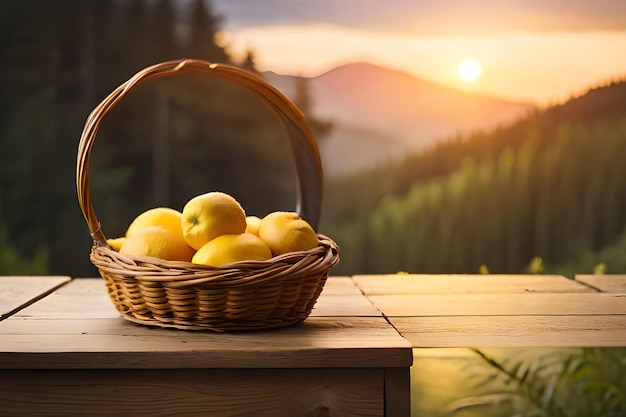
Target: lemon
[(210, 215), (229, 248), (168, 219), (164, 217), (285, 231), (252, 224), (116, 243), (159, 243)]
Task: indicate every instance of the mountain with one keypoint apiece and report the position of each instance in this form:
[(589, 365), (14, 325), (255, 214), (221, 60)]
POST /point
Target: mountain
[(384, 113)]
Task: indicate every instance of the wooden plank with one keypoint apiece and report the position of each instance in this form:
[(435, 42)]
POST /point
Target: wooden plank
[(109, 343), (81, 298), (340, 286), (500, 304), (344, 305), (19, 292), (397, 392), (605, 283), (513, 331), (201, 392), (85, 286), (466, 284)]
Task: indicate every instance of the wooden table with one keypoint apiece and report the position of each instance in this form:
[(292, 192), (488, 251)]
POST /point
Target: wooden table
[(502, 310), (64, 350)]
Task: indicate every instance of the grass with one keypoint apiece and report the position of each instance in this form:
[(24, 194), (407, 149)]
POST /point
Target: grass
[(587, 382)]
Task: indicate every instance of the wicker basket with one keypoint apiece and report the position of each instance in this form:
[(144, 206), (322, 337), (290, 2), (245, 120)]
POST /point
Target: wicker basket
[(240, 296)]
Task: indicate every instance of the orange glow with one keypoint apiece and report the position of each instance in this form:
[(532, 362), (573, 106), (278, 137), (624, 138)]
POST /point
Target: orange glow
[(539, 67)]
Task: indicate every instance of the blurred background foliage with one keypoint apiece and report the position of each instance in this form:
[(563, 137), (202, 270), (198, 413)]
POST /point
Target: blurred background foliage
[(169, 140), (544, 194), (520, 382)]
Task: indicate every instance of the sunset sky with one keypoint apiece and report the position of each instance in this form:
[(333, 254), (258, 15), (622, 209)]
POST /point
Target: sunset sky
[(538, 50)]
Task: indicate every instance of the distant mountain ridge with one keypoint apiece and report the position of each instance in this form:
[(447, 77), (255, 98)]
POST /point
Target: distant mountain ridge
[(383, 113)]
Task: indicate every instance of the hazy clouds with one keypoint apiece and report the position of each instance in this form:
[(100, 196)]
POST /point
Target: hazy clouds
[(426, 17)]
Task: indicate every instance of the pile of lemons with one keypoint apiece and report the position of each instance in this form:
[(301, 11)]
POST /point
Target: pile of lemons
[(213, 229)]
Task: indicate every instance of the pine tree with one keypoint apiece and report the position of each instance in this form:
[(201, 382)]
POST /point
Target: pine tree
[(202, 40), (303, 100), (249, 62)]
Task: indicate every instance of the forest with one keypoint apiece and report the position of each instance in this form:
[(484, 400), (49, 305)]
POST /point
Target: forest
[(545, 194), (166, 142)]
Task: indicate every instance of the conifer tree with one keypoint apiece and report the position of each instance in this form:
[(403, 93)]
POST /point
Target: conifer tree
[(304, 101), (204, 27)]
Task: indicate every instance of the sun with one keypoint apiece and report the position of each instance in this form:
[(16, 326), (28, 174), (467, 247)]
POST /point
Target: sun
[(469, 70)]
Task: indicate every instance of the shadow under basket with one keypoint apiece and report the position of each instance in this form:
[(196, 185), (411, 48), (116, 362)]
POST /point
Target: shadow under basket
[(242, 296)]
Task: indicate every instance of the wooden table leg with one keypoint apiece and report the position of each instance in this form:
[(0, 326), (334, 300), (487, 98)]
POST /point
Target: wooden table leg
[(397, 392)]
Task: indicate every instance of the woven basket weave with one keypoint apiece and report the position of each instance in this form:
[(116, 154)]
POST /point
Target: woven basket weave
[(250, 295)]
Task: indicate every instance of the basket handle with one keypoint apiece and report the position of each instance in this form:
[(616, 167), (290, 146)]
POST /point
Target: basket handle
[(303, 143)]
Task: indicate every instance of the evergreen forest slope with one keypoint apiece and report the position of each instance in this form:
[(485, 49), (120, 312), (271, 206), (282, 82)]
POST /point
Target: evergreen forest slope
[(551, 186)]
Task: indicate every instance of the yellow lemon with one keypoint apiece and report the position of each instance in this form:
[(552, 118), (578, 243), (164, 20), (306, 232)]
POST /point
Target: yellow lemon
[(164, 217), (159, 243), (252, 224), (210, 215), (286, 231), (229, 248), (116, 243)]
